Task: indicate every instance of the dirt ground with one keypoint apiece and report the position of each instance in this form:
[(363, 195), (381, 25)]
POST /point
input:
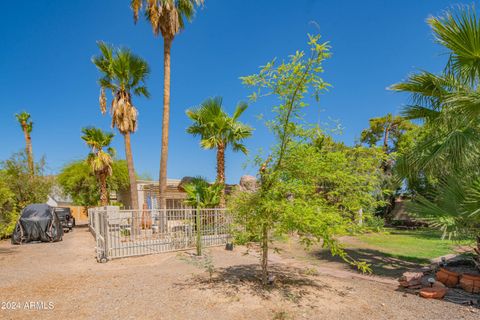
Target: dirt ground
[(64, 280)]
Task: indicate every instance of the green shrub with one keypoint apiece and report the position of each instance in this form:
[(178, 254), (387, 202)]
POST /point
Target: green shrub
[(375, 223), (8, 212)]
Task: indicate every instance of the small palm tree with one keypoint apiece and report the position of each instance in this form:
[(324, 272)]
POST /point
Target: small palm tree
[(453, 208), (218, 130), (123, 73), (167, 17), (201, 194), (100, 160), (27, 125)]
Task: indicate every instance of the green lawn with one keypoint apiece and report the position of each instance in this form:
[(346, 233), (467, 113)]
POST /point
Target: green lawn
[(389, 253), (412, 245)]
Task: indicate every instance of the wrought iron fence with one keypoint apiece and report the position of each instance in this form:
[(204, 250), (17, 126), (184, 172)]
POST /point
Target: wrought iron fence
[(125, 233)]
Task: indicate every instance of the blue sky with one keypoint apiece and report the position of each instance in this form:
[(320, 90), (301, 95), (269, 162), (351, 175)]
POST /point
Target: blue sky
[(47, 45)]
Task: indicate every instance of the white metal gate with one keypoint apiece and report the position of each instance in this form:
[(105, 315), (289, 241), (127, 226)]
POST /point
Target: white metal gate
[(125, 233)]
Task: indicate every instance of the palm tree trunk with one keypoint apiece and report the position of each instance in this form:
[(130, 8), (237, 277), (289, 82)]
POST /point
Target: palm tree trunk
[(167, 44), (221, 172), (131, 172), (28, 149), (103, 190)]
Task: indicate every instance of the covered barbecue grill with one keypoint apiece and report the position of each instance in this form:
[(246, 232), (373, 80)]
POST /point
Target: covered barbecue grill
[(38, 222)]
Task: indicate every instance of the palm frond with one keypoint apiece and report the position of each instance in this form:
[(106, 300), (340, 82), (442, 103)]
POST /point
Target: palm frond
[(215, 127), (241, 107), (99, 160), (459, 31), (24, 119), (452, 206), (416, 112), (166, 16), (123, 73)]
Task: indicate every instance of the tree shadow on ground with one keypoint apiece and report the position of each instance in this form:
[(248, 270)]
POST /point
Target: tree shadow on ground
[(290, 283), (382, 264)]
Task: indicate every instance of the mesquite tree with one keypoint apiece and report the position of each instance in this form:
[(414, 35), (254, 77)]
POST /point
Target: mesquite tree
[(283, 204)]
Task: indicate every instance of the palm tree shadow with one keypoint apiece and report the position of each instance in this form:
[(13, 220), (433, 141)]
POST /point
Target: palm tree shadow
[(382, 264)]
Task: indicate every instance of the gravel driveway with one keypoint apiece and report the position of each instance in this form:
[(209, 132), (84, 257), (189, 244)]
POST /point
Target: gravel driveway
[(63, 281)]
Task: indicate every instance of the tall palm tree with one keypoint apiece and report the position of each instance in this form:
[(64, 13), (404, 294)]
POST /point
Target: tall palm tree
[(167, 18), (100, 160), (218, 130), (27, 125), (123, 73)]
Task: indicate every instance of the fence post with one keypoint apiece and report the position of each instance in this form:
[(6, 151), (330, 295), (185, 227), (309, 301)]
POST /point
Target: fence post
[(198, 222), (98, 233), (107, 232), (215, 221), (90, 219)]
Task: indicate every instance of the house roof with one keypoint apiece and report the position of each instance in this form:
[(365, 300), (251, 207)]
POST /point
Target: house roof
[(170, 182)]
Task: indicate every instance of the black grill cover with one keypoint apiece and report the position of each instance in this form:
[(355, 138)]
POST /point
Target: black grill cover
[(38, 222)]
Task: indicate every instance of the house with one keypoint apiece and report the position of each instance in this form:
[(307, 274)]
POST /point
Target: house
[(148, 194)]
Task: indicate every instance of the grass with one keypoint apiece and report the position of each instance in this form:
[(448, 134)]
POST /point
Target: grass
[(411, 245), (389, 253)]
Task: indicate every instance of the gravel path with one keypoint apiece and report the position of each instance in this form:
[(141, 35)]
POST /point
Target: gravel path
[(67, 282)]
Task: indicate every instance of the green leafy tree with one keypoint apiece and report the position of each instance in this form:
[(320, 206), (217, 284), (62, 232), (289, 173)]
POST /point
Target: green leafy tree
[(349, 179), (124, 74), (19, 188), (393, 133), (167, 18), (218, 130), (8, 208), (289, 205), (389, 130), (99, 159), (28, 189), (27, 125), (79, 182)]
